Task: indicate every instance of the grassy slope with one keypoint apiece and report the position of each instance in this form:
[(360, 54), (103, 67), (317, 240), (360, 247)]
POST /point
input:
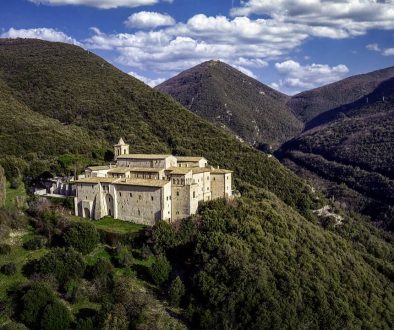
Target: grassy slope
[(225, 96)]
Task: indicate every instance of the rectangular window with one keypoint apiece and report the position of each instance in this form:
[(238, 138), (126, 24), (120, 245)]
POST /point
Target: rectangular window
[(151, 198), (131, 195), (177, 193), (194, 194)]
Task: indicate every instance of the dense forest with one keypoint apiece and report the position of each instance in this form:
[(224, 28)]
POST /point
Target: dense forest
[(265, 260)]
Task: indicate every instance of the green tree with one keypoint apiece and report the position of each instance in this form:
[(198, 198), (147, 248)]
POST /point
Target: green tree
[(176, 292), (82, 236), (33, 303), (123, 256), (116, 319), (160, 270), (56, 316), (64, 264)]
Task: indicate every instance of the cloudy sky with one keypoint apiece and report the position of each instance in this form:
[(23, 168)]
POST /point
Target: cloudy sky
[(291, 45)]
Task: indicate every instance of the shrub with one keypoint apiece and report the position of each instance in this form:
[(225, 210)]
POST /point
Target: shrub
[(123, 256), (176, 292), (85, 324), (34, 244), (64, 264), (8, 269), (33, 303), (13, 326), (56, 316), (101, 269), (82, 236), (5, 249), (160, 270)]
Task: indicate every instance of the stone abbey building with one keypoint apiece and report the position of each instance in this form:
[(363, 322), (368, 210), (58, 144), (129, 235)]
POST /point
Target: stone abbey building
[(146, 188)]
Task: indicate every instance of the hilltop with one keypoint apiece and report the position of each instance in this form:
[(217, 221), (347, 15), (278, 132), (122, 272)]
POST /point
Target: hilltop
[(263, 260), (309, 104), (223, 95)]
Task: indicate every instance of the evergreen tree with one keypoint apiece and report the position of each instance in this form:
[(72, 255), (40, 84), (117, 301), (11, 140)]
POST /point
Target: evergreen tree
[(176, 292)]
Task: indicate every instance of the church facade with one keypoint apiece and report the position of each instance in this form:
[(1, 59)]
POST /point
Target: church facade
[(147, 188)]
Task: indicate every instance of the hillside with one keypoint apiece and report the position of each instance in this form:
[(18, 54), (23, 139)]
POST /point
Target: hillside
[(225, 96), (353, 144), (309, 104), (78, 88), (264, 260)]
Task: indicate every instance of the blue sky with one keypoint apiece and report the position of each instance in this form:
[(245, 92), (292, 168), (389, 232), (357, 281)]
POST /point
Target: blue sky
[(292, 45)]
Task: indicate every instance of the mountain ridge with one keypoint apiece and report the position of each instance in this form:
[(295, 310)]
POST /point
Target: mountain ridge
[(220, 93)]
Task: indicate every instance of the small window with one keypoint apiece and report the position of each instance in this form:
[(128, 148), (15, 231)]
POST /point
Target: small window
[(214, 179), (194, 194), (151, 197), (139, 197), (167, 197), (120, 194), (131, 195), (177, 193)]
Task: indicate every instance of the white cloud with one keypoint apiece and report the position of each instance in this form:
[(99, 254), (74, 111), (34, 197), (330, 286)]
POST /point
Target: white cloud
[(327, 18), (388, 52), (102, 4), (385, 52), (40, 33), (147, 19), (296, 76), (240, 41), (148, 81), (374, 47), (245, 71)]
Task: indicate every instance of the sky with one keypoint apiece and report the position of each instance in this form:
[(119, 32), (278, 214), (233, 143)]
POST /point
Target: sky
[(291, 45)]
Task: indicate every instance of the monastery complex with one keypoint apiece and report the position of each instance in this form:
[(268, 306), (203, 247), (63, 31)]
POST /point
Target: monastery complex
[(146, 188)]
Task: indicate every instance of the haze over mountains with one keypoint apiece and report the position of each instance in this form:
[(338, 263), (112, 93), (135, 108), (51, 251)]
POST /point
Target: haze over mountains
[(218, 92), (264, 260)]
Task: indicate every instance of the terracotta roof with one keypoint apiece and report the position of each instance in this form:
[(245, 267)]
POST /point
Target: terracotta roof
[(98, 168), (121, 143), (96, 180), (143, 182), (119, 170), (220, 171), (197, 170), (189, 158), (179, 170), (146, 169), (144, 156)]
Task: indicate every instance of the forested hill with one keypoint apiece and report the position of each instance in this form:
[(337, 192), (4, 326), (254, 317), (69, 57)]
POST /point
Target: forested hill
[(261, 261), (218, 92), (310, 104), (86, 100), (353, 145)]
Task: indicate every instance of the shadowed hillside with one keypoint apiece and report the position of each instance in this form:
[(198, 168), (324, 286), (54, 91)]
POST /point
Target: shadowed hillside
[(354, 145), (223, 95), (78, 88), (309, 104), (261, 261)]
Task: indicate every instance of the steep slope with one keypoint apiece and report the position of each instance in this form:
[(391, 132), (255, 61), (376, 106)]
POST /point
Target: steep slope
[(78, 88), (25, 132), (258, 262), (354, 144), (223, 95), (309, 104)]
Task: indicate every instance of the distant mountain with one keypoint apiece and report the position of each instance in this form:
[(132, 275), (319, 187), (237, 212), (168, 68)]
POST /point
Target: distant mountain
[(354, 145), (264, 259), (309, 104), (225, 96)]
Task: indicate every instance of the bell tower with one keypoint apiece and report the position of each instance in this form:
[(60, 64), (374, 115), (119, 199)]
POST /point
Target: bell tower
[(121, 148)]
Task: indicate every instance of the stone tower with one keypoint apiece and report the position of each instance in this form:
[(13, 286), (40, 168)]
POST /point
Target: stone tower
[(121, 148)]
